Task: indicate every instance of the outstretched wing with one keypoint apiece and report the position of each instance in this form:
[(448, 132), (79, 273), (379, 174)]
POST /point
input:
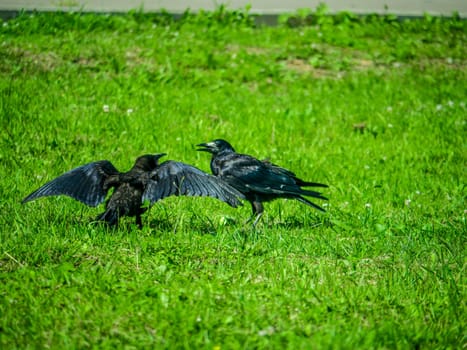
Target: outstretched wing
[(85, 184), (179, 179)]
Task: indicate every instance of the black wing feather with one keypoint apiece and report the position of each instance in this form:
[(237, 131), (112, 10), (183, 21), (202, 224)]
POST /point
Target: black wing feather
[(180, 179), (84, 183), (286, 172), (247, 174)]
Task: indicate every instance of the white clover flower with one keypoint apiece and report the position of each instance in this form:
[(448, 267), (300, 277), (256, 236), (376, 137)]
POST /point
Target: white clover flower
[(450, 103), (439, 107), (367, 205), (407, 202), (129, 111), (106, 108), (267, 331)]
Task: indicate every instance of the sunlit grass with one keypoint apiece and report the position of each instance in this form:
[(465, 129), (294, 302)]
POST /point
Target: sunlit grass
[(374, 107)]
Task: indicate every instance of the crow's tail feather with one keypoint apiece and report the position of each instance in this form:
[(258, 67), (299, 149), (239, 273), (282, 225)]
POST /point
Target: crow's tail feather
[(309, 184), (312, 194), (307, 202)]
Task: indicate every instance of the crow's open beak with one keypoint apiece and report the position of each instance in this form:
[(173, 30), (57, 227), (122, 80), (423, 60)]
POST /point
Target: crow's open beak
[(204, 147), (159, 155)]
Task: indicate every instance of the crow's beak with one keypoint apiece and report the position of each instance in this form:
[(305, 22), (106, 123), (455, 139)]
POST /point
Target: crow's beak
[(159, 155), (204, 147)]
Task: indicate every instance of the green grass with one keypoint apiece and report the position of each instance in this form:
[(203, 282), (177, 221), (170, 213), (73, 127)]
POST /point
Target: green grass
[(373, 106)]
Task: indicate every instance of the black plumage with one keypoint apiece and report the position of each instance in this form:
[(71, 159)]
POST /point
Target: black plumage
[(147, 180), (260, 181)]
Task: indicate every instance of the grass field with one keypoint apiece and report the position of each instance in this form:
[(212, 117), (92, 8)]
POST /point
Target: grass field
[(373, 106)]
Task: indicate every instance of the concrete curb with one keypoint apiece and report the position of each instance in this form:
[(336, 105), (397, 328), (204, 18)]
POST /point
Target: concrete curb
[(267, 9)]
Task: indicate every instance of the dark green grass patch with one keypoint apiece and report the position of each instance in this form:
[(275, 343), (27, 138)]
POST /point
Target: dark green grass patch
[(372, 106)]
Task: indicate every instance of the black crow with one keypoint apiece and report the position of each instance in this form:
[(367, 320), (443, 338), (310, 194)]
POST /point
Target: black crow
[(260, 181), (146, 181)]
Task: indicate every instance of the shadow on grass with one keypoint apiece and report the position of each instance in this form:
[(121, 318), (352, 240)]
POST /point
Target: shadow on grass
[(294, 222)]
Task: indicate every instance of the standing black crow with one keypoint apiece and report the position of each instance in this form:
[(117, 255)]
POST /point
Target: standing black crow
[(260, 181), (146, 181)]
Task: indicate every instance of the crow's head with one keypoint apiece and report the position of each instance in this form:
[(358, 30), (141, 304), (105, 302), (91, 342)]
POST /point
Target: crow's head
[(215, 147), (148, 162)]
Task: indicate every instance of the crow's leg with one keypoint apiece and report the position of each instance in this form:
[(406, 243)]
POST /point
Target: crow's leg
[(139, 222), (258, 210), (257, 219)]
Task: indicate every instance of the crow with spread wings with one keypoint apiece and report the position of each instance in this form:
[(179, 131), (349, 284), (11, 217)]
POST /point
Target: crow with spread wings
[(147, 180)]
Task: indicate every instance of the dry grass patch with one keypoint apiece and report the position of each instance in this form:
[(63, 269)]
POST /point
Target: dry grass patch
[(45, 61)]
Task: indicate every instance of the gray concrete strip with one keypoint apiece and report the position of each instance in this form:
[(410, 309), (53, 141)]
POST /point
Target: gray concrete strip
[(266, 7)]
